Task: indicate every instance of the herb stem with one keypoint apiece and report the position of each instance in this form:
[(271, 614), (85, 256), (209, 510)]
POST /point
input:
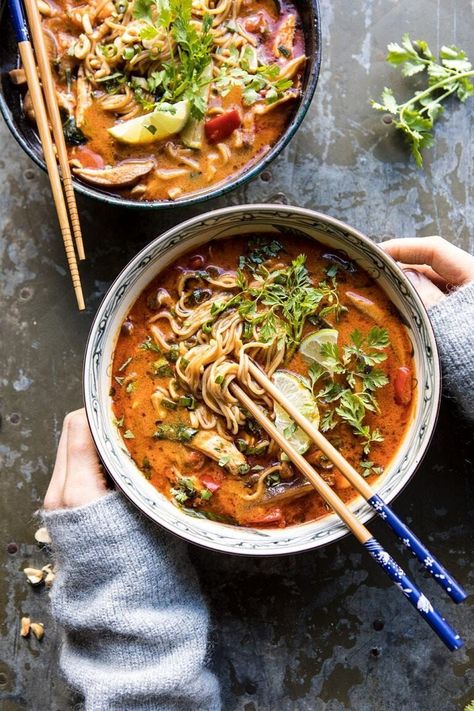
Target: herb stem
[(430, 89)]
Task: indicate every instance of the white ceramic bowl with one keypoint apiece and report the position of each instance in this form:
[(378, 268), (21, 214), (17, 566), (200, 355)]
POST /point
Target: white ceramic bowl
[(154, 259)]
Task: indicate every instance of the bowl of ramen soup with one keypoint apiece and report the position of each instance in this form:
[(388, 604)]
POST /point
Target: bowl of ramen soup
[(169, 101), (327, 315)]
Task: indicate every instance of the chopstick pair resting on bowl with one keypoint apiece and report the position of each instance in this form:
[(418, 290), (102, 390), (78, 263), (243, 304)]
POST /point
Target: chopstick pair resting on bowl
[(363, 535), (43, 97)]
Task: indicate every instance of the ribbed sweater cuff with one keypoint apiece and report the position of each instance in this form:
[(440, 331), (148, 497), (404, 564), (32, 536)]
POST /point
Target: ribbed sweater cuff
[(108, 521), (453, 323)]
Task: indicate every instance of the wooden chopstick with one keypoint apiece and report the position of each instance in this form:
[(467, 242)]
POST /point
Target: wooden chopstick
[(41, 52), (363, 535), (406, 536), (29, 65)]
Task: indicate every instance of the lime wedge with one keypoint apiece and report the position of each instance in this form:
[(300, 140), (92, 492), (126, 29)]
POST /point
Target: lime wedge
[(310, 347), (165, 121), (296, 389)]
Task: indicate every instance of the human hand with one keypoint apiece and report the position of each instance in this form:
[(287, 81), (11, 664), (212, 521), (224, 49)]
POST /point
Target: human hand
[(436, 265), (77, 477)]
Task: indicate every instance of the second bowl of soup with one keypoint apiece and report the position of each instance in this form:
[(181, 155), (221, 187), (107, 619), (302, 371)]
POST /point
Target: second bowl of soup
[(170, 101), (324, 312)]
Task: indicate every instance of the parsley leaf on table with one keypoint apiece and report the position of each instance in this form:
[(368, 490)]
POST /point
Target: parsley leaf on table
[(448, 76)]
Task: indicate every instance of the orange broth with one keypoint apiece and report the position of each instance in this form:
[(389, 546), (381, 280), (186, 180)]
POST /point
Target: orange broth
[(160, 460)]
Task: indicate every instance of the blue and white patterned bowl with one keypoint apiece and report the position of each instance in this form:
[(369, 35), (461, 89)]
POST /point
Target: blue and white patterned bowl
[(154, 259)]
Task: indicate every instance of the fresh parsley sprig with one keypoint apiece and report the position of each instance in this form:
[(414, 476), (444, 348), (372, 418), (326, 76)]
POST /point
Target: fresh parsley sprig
[(448, 76)]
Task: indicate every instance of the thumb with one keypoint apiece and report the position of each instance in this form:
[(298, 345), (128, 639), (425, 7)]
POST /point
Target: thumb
[(428, 292), (85, 480)]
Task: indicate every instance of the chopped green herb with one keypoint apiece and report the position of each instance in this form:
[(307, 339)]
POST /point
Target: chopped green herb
[(169, 404), (72, 134), (162, 369), (131, 386), (128, 434), (173, 354), (187, 401), (369, 468), (186, 79), (184, 490), (219, 380), (149, 345), (118, 421), (273, 479), (223, 461), (146, 468), (448, 76), (205, 494), (175, 433)]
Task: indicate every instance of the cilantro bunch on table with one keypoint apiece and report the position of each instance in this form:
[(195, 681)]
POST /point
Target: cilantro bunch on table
[(447, 76)]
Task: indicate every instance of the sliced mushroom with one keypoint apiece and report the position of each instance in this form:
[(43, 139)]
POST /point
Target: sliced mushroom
[(52, 46), (119, 176), (292, 68), (84, 98), (28, 107), (17, 76), (284, 491), (283, 45), (289, 95), (221, 450)]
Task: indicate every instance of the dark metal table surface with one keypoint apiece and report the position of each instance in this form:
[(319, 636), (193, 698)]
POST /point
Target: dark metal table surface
[(322, 631)]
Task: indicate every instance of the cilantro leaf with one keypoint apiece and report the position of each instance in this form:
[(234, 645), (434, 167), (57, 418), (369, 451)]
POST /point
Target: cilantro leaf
[(449, 75)]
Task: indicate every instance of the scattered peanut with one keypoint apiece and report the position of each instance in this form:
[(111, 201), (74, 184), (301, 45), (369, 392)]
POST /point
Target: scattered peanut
[(35, 576), (49, 574), (25, 626), (38, 629), (42, 535)]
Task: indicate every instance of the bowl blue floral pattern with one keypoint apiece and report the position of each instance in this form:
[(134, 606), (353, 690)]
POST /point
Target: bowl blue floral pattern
[(154, 259)]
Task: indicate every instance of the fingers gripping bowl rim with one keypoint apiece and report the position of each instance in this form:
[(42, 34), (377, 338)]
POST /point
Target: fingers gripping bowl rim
[(25, 135), (217, 225)]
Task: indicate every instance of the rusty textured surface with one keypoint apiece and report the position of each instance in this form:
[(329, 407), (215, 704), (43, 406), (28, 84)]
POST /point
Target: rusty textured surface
[(322, 631)]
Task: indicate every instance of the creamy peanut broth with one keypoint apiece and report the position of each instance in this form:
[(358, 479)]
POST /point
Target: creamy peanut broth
[(163, 98), (315, 322)]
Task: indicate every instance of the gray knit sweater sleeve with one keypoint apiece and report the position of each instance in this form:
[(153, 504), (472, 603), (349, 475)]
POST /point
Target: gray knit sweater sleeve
[(453, 323), (135, 623)]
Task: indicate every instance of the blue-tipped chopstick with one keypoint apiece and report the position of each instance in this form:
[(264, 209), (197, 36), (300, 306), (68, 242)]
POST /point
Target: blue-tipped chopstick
[(41, 116), (419, 601), (406, 536)]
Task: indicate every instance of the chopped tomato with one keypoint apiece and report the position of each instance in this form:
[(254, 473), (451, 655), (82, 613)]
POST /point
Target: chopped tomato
[(88, 158), (402, 386), (274, 517), (210, 483), (221, 127)]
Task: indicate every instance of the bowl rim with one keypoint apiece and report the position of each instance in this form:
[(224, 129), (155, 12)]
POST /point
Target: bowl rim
[(364, 517), (213, 192)]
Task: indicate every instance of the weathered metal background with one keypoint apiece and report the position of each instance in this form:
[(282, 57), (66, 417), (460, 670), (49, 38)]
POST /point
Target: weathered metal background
[(318, 632)]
